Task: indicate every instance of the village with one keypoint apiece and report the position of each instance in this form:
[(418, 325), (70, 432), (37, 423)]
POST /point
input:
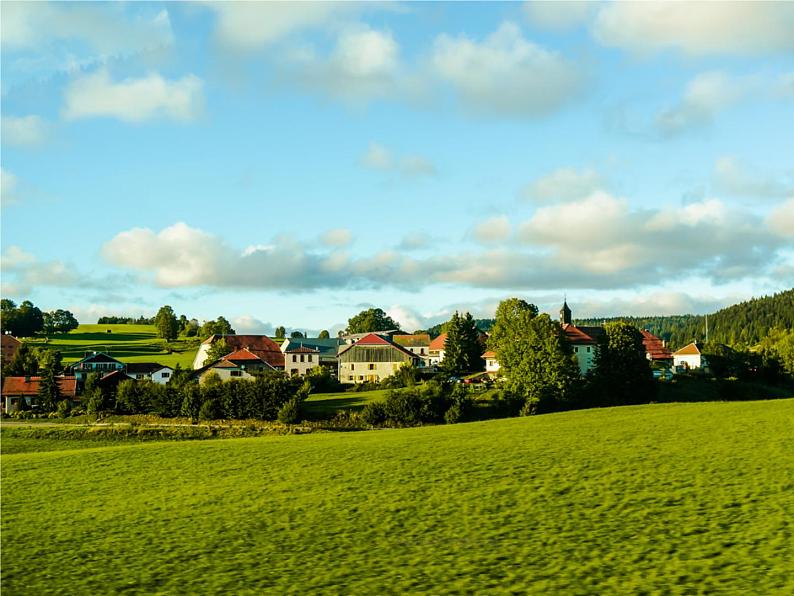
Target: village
[(353, 359)]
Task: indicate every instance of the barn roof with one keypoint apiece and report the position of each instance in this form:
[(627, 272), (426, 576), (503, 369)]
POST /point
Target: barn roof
[(30, 385)]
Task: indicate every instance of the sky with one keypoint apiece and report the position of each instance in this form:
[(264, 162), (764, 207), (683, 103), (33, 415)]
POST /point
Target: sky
[(293, 164)]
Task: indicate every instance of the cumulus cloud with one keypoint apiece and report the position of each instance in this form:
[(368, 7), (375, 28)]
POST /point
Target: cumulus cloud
[(705, 96), (733, 178), (697, 28), (247, 26), (248, 324), (8, 188), (379, 157), (493, 231), (558, 16), (505, 74), (134, 100), (27, 272), (562, 185), (337, 237), (23, 131), (781, 219), (415, 241), (108, 28)]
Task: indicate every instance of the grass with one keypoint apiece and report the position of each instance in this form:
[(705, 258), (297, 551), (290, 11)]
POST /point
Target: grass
[(668, 498), (128, 343), (324, 405)]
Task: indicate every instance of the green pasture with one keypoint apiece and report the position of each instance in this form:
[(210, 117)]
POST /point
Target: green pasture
[(667, 498), (128, 343), (323, 405)]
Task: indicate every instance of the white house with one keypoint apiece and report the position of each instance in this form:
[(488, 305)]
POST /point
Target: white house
[(491, 363), (418, 344), (301, 354), (689, 357), (151, 371)]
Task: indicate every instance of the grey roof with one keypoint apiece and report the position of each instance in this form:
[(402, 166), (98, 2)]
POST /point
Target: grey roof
[(145, 368), (326, 347)]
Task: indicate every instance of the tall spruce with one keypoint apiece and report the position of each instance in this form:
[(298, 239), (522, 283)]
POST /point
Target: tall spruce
[(462, 348), (49, 391)]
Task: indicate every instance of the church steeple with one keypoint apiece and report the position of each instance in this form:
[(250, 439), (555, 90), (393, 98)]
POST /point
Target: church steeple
[(565, 313)]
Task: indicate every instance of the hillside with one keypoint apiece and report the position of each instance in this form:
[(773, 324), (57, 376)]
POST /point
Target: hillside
[(744, 323), (129, 343), (664, 498)]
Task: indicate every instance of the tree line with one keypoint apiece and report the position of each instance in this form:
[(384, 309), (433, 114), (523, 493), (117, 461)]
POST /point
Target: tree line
[(26, 320)]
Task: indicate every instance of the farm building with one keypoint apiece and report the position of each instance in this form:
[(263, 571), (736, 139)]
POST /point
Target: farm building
[(418, 343), (27, 388), (260, 345), (372, 358), (240, 364), (304, 353)]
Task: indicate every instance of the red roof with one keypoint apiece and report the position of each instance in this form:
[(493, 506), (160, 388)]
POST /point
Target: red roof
[(373, 339), (489, 354), (30, 386), (438, 343), (576, 336), (243, 354), (654, 346), (688, 350), (260, 345)]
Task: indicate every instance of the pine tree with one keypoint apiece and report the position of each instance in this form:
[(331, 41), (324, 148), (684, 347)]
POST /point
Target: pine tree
[(49, 390)]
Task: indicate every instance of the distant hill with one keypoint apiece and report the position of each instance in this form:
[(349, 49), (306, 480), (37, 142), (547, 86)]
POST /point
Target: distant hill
[(744, 323)]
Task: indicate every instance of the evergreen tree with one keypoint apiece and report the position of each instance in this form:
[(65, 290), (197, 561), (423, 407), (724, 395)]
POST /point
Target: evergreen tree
[(622, 373), (324, 334), (49, 391), (281, 332), (462, 348)]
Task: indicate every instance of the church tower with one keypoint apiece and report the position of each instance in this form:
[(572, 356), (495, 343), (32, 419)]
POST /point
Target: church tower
[(565, 313)]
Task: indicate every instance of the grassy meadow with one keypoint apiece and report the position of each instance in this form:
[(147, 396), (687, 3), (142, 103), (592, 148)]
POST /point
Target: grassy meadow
[(667, 498), (128, 343)]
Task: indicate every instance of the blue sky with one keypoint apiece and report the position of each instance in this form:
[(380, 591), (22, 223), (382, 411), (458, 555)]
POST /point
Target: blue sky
[(292, 164)]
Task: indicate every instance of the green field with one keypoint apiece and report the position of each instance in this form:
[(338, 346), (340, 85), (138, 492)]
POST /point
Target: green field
[(669, 498), (128, 343)]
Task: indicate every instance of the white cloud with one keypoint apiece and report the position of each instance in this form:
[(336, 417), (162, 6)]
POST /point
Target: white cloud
[(134, 100), (563, 184), (415, 241), (505, 74), (15, 257), (781, 219), (337, 237), (493, 231), (107, 28), (366, 53), (247, 26), (23, 131), (697, 28), (408, 319), (733, 178), (379, 157), (8, 188), (705, 96), (558, 16), (27, 272), (248, 324)]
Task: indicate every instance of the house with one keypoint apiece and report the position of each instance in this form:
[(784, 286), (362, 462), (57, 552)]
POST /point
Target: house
[(101, 363), (491, 363), (689, 357), (27, 388), (9, 346), (260, 345), (582, 339), (351, 338), (436, 350), (372, 358), (151, 371), (240, 364), (655, 349), (417, 343), (304, 353)]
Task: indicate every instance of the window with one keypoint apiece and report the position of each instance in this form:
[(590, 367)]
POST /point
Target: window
[(310, 357), (422, 351), (139, 377), (236, 373), (372, 366), (165, 375), (351, 366), (588, 349), (360, 377), (576, 350), (294, 358), (351, 378), (302, 357)]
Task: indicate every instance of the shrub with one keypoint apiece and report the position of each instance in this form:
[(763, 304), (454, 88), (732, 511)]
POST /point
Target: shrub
[(207, 411), (374, 413), (290, 412), (64, 408)]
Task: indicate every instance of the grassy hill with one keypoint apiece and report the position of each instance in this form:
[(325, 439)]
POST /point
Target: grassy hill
[(128, 343), (678, 498)]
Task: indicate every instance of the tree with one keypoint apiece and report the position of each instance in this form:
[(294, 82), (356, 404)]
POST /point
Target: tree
[(296, 335), (219, 327), (281, 333), (324, 334), (373, 319), (217, 350), (23, 321), (462, 348), (533, 355), (622, 374), (167, 324), (59, 321), (49, 390)]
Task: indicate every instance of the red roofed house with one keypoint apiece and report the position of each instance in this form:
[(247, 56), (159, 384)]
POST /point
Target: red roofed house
[(261, 345), (436, 350), (583, 340), (27, 388), (372, 358), (9, 345), (240, 364), (655, 350)]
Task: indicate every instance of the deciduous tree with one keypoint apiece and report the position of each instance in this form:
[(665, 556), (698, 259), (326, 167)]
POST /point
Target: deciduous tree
[(372, 319)]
